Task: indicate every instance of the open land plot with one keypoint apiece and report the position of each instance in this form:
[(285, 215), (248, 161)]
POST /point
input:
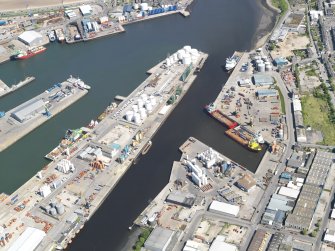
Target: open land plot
[(292, 42), (8, 5), (315, 114)]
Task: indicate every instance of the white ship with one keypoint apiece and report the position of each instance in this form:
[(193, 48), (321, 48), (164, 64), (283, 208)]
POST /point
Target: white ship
[(52, 36), (231, 62)]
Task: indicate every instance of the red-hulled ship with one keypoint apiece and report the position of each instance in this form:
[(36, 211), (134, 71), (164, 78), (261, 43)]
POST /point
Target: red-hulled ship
[(222, 118), (29, 53)]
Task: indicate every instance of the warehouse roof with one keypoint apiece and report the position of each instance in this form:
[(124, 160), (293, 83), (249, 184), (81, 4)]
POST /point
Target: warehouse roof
[(28, 240), (85, 9), (219, 244), (181, 198), (289, 192), (267, 92), (224, 207), (247, 182), (29, 36), (159, 239), (261, 79), (22, 112)]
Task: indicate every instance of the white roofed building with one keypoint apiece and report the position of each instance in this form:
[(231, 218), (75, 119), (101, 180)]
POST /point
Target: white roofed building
[(28, 240), (223, 208), (86, 10), (219, 244), (31, 38), (289, 192)]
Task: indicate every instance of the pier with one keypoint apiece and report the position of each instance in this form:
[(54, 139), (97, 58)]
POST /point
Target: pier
[(4, 89), (24, 118), (100, 157)]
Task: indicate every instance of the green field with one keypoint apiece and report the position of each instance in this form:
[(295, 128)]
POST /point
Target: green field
[(315, 114), (280, 4)]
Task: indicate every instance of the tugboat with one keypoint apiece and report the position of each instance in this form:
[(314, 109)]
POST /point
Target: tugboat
[(52, 36)]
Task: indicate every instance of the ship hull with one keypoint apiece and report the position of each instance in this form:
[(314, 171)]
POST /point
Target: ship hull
[(30, 55)]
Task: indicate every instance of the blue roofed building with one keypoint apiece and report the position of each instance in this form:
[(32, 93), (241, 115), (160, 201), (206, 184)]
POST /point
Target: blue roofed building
[(279, 62)]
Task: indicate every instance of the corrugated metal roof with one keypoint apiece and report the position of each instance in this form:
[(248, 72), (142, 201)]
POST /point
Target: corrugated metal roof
[(159, 239), (29, 240), (261, 79), (30, 36), (224, 207), (26, 109)]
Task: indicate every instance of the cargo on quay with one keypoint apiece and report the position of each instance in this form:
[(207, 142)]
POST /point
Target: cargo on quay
[(24, 118), (68, 191)]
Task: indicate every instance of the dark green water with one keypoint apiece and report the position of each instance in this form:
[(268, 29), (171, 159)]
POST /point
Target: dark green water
[(116, 65)]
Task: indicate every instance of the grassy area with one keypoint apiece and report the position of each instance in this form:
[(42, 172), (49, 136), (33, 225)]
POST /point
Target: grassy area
[(315, 114), (282, 102), (280, 4), (311, 73)]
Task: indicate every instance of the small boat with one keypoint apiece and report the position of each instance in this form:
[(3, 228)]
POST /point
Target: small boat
[(52, 36), (147, 147)]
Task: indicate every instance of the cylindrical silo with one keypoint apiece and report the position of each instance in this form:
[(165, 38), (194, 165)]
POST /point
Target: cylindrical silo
[(60, 208), (137, 118), (261, 67), (153, 100), (135, 108), (53, 211), (129, 115)]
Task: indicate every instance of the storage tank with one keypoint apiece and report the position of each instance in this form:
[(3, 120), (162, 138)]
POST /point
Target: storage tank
[(144, 97), (129, 115), (281, 133), (53, 211), (268, 66), (140, 103), (47, 209), (168, 62), (60, 208), (143, 115), (172, 60), (261, 67), (137, 118), (136, 6), (187, 60), (187, 48), (194, 52), (175, 57), (148, 106), (135, 108), (153, 100), (53, 204), (181, 54)]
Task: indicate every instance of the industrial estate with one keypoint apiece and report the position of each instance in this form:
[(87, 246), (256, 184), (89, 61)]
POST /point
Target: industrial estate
[(278, 101)]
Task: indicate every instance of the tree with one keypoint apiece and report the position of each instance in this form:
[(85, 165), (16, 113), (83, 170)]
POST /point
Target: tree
[(313, 234), (304, 231)]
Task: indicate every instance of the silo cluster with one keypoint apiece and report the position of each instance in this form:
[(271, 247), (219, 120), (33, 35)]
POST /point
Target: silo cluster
[(143, 107), (186, 56)]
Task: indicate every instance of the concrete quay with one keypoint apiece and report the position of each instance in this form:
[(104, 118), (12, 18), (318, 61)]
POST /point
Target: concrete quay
[(4, 89), (117, 141), (26, 117)]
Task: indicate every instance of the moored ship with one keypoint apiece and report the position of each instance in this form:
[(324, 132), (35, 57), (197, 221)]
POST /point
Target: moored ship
[(237, 132), (232, 61), (29, 53)]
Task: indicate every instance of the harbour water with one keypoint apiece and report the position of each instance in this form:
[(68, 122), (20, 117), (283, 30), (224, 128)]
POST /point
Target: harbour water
[(115, 66)]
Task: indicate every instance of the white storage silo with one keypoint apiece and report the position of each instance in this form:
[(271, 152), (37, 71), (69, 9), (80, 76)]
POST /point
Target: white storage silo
[(136, 6), (148, 106), (53, 211), (135, 108), (60, 208), (137, 118), (187, 60), (168, 62), (153, 100), (149, 8), (181, 54), (261, 67), (175, 57), (129, 115), (140, 103), (187, 48), (144, 97), (143, 115)]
